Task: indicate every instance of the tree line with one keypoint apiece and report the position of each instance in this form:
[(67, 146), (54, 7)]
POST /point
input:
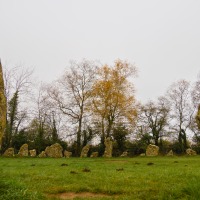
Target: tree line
[(91, 102)]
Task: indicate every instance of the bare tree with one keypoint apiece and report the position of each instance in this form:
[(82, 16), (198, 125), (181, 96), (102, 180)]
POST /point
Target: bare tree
[(196, 93), (72, 93), (182, 110), (43, 129), (17, 86)]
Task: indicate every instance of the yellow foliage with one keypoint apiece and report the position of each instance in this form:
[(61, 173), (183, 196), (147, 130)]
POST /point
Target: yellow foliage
[(113, 94)]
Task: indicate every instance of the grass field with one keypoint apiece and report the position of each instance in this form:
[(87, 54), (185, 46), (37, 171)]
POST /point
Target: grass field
[(100, 178)]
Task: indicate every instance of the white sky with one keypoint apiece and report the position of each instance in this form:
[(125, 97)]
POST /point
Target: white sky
[(162, 37)]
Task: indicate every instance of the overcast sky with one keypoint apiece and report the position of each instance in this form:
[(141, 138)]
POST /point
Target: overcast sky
[(162, 37)]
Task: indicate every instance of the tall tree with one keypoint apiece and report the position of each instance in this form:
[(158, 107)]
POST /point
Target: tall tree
[(3, 107), (17, 87), (113, 97), (72, 93), (182, 110)]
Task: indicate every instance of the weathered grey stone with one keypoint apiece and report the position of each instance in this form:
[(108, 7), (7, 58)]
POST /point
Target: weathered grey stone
[(124, 154), (191, 152), (42, 155), (94, 154), (54, 151), (109, 147), (170, 153), (23, 150), (9, 152), (84, 152), (142, 154), (67, 154), (33, 153), (152, 150)]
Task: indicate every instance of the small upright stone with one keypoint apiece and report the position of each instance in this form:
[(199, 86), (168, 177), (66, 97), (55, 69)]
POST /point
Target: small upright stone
[(42, 155), (23, 152), (152, 150), (84, 152), (54, 151), (67, 154), (124, 154), (9, 152), (94, 154), (33, 153), (109, 148), (170, 153), (191, 152)]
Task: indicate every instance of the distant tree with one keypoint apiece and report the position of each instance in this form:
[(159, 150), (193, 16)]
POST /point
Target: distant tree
[(43, 130), (113, 97), (3, 107), (18, 84), (196, 93), (153, 117), (72, 92), (182, 110), (120, 133)]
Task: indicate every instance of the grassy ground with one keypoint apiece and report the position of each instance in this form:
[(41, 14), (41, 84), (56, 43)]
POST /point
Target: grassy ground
[(114, 178)]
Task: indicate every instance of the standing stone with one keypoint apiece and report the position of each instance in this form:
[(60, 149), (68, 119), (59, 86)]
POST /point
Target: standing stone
[(23, 150), (170, 153), (94, 154), (152, 150), (33, 153), (191, 152), (67, 154), (9, 152), (109, 148), (124, 154), (3, 106), (84, 151), (54, 151), (42, 155)]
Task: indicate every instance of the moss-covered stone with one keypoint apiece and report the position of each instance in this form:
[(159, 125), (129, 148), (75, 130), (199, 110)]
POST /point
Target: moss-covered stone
[(54, 151), (9, 152), (152, 150), (109, 147), (67, 154), (23, 152), (84, 152), (33, 153)]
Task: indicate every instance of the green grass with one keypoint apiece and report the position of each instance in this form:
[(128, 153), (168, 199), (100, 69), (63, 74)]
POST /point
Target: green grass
[(119, 178)]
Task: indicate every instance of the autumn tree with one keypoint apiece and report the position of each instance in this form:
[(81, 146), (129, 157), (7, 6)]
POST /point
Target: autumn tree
[(153, 117), (72, 92), (113, 99), (182, 110), (3, 107)]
